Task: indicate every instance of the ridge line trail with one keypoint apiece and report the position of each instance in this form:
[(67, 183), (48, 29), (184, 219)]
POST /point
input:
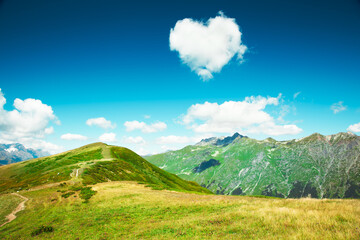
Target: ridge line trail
[(19, 208)]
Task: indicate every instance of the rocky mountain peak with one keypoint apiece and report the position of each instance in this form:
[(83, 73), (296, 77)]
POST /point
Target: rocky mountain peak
[(16, 152), (221, 141)]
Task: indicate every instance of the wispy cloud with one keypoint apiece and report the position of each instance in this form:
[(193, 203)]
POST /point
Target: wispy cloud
[(144, 127), (100, 122), (338, 107), (296, 95), (71, 136), (134, 140)]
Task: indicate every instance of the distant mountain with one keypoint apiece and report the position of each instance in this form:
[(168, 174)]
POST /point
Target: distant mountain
[(16, 152), (91, 164), (222, 141), (315, 166)]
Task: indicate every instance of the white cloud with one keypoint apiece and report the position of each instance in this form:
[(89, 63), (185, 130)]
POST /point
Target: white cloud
[(134, 140), (338, 107), (100, 122), (296, 95), (71, 136), (172, 139), (108, 137), (143, 152), (49, 130), (246, 116), (354, 127), (27, 123), (147, 116), (145, 128), (207, 47), (41, 144), (165, 148)]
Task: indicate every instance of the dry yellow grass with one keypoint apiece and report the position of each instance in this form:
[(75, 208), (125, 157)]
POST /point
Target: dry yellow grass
[(126, 210)]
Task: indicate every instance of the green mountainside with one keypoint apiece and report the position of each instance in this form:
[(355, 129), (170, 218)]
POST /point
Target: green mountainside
[(90, 164), (317, 166)]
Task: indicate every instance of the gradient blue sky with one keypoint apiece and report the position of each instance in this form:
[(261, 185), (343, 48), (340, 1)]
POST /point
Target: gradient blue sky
[(111, 59)]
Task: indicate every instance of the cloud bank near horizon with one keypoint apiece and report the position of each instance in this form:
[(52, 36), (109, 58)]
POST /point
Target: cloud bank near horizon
[(28, 123), (247, 116)]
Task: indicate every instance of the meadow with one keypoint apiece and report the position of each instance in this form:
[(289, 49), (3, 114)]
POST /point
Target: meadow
[(128, 210), (8, 203)]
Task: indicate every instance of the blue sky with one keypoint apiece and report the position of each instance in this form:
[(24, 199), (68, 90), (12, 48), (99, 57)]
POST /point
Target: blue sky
[(112, 60)]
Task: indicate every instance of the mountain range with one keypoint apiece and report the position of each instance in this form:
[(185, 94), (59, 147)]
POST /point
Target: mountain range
[(16, 152), (316, 166)]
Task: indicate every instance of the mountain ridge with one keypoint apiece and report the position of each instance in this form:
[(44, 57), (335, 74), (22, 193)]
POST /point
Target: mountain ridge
[(16, 152), (319, 166)]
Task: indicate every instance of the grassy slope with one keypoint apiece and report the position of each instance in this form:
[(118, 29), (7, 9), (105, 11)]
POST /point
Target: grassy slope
[(52, 169), (126, 210), (90, 164), (128, 166), (8, 203)]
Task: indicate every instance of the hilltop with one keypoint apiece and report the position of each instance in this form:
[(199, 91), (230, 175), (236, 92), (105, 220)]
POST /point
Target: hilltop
[(316, 166), (90, 164)]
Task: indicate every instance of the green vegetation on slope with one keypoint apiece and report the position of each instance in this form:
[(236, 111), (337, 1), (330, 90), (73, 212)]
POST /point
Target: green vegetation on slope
[(8, 203), (46, 170), (317, 166), (126, 210), (90, 164), (128, 166)]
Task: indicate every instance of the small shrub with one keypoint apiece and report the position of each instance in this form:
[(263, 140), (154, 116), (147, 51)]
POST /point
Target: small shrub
[(41, 230), (156, 187), (76, 188), (68, 194), (86, 193)]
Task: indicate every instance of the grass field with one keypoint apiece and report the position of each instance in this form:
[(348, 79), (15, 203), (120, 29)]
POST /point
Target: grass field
[(127, 210), (8, 203)]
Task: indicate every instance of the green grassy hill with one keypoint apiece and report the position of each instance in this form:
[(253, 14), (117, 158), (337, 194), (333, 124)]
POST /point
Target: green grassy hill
[(90, 164)]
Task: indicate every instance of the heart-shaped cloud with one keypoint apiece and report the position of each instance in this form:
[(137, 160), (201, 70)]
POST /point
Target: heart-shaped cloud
[(207, 47)]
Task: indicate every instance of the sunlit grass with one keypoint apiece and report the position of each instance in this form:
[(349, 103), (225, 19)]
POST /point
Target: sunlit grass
[(127, 210), (8, 203)]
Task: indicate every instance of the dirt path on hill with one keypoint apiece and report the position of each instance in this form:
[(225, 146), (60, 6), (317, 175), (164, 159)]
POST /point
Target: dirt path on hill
[(40, 187), (106, 156), (19, 208)]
